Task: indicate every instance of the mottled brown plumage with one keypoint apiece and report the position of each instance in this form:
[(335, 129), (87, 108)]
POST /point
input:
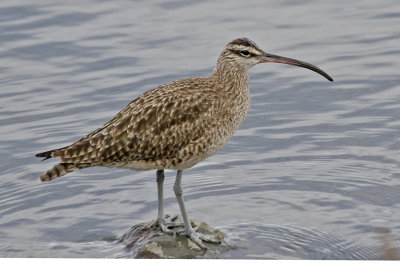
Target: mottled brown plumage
[(175, 125)]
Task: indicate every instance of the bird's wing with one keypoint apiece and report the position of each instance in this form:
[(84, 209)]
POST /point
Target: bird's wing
[(156, 125)]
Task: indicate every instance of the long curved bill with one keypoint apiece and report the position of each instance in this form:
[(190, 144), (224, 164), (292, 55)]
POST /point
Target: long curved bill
[(294, 62)]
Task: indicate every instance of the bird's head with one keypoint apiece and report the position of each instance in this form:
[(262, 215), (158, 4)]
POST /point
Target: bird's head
[(243, 53)]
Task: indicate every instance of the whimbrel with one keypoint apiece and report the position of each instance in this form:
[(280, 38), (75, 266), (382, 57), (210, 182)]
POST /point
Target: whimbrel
[(174, 126)]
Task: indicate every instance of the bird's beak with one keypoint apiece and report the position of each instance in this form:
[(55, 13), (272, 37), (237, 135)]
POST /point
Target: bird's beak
[(285, 60)]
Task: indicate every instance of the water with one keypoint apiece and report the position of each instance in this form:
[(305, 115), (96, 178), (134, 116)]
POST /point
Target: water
[(313, 173)]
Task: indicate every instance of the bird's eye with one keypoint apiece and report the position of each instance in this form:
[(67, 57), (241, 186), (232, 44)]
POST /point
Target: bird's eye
[(245, 53)]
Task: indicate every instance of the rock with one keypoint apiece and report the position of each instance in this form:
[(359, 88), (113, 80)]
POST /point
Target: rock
[(148, 242)]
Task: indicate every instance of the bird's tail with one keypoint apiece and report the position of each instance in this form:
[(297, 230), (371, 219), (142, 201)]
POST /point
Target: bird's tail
[(59, 170), (46, 155)]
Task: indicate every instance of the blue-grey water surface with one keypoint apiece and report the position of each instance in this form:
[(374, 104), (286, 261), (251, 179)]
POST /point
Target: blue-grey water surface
[(313, 172)]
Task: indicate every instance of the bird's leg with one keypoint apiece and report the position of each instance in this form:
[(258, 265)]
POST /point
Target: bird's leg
[(161, 222), (190, 232)]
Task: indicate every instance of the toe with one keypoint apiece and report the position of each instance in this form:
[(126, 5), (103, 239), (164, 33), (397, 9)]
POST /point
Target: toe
[(174, 224), (197, 241), (209, 239), (165, 229)]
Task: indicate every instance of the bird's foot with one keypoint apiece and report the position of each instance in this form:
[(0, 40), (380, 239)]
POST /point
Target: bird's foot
[(170, 226), (167, 225), (197, 238)]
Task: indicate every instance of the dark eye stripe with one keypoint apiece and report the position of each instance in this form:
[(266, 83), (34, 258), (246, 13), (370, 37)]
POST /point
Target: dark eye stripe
[(240, 52)]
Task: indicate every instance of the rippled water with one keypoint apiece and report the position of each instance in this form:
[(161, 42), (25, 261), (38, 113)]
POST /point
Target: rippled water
[(313, 173)]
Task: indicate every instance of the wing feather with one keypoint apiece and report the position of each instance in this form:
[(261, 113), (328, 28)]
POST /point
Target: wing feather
[(156, 125)]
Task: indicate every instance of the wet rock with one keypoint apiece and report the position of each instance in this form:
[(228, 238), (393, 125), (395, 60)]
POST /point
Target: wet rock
[(148, 242)]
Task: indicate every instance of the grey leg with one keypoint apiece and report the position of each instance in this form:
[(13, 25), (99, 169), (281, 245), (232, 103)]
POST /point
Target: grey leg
[(160, 185), (160, 194), (190, 232), (164, 226)]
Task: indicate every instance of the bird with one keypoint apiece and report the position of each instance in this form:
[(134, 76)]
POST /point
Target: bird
[(174, 126)]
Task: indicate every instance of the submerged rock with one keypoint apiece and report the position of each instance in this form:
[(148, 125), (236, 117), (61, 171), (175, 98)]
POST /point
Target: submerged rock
[(148, 242)]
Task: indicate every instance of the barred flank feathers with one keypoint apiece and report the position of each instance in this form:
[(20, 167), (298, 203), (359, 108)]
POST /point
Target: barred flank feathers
[(58, 171)]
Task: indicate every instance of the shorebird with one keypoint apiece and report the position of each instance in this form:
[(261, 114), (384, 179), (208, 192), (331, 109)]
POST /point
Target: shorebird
[(174, 126)]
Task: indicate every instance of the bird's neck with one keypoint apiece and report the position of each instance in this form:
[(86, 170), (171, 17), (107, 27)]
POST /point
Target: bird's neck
[(231, 78), (232, 83)]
